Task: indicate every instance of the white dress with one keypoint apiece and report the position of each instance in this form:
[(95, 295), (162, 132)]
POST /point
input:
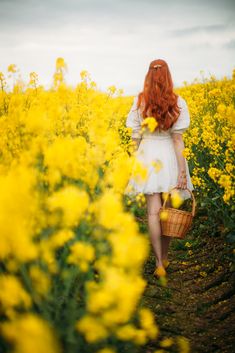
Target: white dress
[(157, 147)]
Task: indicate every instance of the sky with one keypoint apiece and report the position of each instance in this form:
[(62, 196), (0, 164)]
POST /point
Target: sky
[(115, 40)]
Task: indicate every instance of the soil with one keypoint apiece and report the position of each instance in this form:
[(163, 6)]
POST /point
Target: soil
[(198, 300)]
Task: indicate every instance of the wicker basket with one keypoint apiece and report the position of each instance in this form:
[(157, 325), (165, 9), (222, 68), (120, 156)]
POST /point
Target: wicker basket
[(178, 222)]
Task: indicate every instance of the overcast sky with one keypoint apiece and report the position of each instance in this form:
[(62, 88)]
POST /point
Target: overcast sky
[(115, 40)]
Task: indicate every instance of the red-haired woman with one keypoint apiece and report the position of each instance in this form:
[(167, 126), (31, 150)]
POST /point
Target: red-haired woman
[(163, 147)]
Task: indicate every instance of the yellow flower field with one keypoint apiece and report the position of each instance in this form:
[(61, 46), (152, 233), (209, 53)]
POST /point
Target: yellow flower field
[(69, 278)]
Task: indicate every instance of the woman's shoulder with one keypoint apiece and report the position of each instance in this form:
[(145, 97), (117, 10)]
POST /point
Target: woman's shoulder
[(181, 101)]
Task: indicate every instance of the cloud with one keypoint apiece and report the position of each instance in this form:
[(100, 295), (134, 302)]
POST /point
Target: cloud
[(56, 13), (116, 39), (230, 44), (188, 31)]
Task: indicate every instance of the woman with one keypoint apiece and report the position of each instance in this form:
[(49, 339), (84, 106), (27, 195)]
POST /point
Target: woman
[(162, 148)]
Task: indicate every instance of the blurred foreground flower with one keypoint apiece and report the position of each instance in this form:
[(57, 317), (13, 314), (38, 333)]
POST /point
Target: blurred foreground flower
[(149, 123), (29, 333), (176, 199), (157, 165), (163, 215)]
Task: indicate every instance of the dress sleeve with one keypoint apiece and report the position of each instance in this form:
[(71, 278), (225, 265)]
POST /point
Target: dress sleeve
[(133, 120), (183, 121)]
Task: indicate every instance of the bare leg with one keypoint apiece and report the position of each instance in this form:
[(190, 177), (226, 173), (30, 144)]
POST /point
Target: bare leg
[(165, 239), (165, 246), (153, 205)]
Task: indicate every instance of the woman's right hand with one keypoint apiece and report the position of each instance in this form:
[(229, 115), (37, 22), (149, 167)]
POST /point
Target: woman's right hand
[(182, 180)]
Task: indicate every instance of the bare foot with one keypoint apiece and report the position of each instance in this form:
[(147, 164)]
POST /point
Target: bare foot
[(165, 262), (160, 263)]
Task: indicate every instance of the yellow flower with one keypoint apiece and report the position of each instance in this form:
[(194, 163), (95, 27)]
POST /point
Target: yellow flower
[(30, 333), (106, 350), (108, 209), (126, 332), (147, 322), (84, 74), (225, 180), (177, 200), (203, 273), (150, 123), (186, 153), (33, 78), (40, 280), (12, 293), (73, 203), (140, 337), (164, 215), (139, 172), (157, 165), (18, 210), (183, 344), (112, 89), (106, 299), (60, 64), (92, 328), (165, 195), (221, 109), (11, 68), (123, 242), (167, 342), (82, 254), (59, 238)]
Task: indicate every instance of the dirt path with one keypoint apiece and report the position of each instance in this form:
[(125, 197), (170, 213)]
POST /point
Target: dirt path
[(198, 301)]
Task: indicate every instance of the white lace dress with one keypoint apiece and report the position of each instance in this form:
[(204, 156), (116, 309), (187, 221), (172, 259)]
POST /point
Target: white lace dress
[(156, 152)]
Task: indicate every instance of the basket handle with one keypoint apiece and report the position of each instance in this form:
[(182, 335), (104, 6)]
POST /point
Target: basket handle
[(194, 202)]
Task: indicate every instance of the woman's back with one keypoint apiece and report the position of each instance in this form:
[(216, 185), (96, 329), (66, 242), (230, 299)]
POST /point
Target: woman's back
[(135, 119)]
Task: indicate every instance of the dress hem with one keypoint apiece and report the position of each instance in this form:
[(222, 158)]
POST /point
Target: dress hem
[(184, 193)]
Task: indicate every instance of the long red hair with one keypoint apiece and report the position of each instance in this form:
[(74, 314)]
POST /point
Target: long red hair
[(157, 97)]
